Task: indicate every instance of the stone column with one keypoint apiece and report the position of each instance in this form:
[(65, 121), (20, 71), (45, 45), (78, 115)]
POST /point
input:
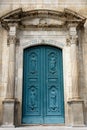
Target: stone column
[(9, 102), (76, 104)]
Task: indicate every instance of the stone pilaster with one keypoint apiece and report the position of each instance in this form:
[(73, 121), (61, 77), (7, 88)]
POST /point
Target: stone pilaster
[(76, 103), (10, 102), (74, 73), (11, 67)]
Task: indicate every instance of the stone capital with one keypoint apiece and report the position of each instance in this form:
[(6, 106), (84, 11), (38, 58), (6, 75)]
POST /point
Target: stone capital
[(12, 29), (12, 40), (72, 29), (71, 39), (74, 39)]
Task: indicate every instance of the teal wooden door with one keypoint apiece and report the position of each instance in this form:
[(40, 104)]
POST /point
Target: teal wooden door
[(43, 97)]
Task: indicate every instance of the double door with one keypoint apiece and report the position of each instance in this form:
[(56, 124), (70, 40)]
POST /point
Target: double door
[(43, 97)]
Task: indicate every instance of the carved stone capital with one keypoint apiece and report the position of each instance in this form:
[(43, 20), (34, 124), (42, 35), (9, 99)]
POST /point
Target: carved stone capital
[(12, 40), (72, 29), (68, 42), (74, 39), (71, 39)]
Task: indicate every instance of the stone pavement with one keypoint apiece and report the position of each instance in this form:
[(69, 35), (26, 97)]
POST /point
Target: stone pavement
[(45, 128)]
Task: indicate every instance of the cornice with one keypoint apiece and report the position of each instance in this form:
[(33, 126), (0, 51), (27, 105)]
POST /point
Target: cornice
[(18, 16)]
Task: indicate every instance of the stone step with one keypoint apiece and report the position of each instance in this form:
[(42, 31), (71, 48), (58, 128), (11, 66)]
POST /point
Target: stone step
[(45, 128)]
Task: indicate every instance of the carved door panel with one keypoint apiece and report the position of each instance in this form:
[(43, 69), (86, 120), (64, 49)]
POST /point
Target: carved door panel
[(32, 88), (43, 86), (54, 100)]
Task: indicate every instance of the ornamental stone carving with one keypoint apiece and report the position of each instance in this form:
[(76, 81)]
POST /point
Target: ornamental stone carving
[(57, 18), (12, 40), (71, 39), (74, 39)]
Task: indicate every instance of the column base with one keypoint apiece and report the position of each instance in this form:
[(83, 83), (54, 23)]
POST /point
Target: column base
[(8, 126), (77, 113), (9, 113)]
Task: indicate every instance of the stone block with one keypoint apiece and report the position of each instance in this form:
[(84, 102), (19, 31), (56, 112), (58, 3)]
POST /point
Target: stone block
[(77, 112), (10, 113)]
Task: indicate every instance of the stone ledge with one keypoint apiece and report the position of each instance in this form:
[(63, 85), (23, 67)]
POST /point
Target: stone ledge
[(8, 100), (71, 100), (45, 128)]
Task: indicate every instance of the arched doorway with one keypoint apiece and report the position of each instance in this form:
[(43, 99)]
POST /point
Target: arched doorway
[(43, 97)]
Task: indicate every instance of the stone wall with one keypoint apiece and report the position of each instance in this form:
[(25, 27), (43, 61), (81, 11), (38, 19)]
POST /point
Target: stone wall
[(81, 8), (0, 68), (3, 67)]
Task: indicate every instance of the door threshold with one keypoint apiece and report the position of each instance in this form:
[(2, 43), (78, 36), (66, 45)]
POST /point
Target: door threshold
[(23, 125)]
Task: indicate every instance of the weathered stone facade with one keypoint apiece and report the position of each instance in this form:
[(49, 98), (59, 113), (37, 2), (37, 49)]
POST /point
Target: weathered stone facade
[(58, 23)]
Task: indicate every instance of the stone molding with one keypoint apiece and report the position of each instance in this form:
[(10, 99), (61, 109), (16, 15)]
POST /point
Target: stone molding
[(71, 100), (17, 16), (42, 41)]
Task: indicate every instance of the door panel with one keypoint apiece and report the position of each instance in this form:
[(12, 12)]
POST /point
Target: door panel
[(43, 101), (32, 103), (53, 87)]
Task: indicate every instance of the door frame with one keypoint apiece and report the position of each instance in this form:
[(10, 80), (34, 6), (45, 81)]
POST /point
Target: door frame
[(55, 49), (32, 43)]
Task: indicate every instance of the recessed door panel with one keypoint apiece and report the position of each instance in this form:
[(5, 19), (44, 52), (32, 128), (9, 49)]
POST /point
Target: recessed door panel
[(43, 101), (53, 86)]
